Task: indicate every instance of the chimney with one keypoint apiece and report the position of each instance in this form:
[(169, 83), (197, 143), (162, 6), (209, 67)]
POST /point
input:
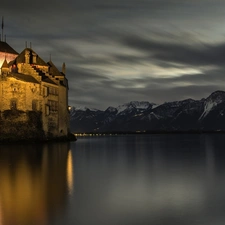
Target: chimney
[(27, 56), (64, 68)]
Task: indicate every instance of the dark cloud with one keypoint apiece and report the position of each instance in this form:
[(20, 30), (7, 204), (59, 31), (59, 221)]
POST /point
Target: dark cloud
[(119, 51), (196, 54), (90, 87)]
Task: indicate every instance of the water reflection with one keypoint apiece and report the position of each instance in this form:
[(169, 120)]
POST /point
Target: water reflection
[(155, 179), (70, 172), (34, 182), (124, 180)]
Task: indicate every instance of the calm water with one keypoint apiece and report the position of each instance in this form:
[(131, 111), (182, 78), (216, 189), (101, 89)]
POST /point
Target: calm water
[(122, 180)]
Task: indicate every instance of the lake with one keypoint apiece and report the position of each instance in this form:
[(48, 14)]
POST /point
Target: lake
[(168, 179)]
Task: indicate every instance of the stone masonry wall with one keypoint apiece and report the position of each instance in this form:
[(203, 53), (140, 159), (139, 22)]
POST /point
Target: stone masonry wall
[(23, 93), (19, 125)]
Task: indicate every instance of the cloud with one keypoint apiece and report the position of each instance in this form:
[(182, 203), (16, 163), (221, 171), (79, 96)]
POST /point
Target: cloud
[(99, 91), (119, 51), (195, 55)]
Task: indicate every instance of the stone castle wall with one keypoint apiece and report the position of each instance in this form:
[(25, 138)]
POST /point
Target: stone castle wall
[(22, 93), (31, 109), (20, 125)]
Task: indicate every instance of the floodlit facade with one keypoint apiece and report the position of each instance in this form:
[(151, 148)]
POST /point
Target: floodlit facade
[(33, 96)]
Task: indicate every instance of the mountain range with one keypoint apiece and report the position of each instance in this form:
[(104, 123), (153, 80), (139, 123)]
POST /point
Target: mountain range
[(207, 114)]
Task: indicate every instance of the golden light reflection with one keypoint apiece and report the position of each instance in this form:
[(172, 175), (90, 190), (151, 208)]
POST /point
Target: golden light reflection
[(22, 195), (33, 184), (1, 222), (70, 172)]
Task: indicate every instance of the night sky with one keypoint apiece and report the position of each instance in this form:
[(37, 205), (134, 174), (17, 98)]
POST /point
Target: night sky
[(119, 51)]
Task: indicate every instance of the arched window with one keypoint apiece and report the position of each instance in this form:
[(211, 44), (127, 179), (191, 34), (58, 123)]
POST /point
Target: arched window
[(13, 104)]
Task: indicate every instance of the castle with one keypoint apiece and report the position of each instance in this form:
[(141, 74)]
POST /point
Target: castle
[(33, 96)]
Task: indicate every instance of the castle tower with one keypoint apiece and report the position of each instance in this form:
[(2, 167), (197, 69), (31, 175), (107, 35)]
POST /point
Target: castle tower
[(34, 87), (6, 52), (5, 68)]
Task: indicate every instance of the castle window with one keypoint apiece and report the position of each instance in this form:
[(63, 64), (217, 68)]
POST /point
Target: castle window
[(47, 110), (34, 57), (53, 91), (13, 104), (34, 105), (45, 91), (53, 106)]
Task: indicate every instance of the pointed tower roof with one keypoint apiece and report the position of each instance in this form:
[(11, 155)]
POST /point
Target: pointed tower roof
[(5, 64)]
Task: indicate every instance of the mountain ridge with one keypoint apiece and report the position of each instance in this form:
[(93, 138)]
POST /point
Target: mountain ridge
[(188, 114)]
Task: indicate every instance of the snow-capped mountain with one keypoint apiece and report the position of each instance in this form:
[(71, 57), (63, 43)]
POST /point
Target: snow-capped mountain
[(134, 105), (211, 102), (189, 114)]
